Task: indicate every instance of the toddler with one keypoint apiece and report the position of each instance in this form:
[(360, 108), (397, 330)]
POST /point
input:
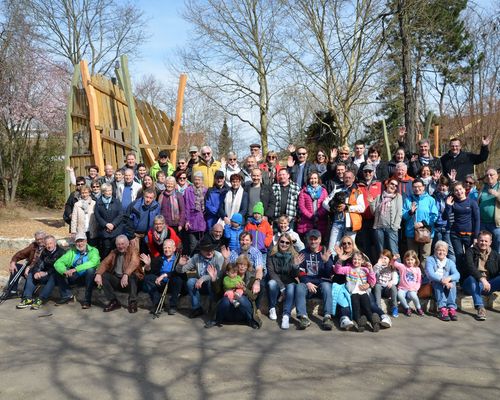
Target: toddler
[(233, 285)]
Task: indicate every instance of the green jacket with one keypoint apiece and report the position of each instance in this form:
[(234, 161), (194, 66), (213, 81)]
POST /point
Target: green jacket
[(156, 168), (66, 261)]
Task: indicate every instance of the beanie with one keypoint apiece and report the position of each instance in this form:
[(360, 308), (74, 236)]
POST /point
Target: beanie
[(258, 208), (237, 218)]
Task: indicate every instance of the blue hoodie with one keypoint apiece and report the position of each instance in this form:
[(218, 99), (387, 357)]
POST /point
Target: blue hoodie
[(427, 212)]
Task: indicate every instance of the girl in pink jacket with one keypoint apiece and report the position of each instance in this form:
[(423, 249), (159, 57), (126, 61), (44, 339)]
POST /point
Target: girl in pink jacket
[(410, 279)]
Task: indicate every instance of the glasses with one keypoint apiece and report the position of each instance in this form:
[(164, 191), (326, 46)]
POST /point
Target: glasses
[(301, 154), (284, 242), (469, 183), (80, 184), (182, 178), (368, 172), (95, 187), (181, 162), (271, 157), (344, 154), (392, 184), (346, 244), (206, 154), (321, 155), (232, 159)]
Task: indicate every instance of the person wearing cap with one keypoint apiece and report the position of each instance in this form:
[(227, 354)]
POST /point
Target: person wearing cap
[(299, 170), (194, 206), (233, 230), (78, 266), (381, 171), (257, 191), (194, 157), (286, 194), (255, 151), (235, 200), (199, 280), (163, 164), (214, 198), (260, 229), (207, 165), (230, 166), (315, 272)]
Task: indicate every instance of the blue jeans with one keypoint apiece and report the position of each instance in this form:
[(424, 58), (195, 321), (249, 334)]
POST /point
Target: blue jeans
[(274, 291), (403, 294), (31, 282), (386, 239), (445, 297), (475, 288), (495, 231), (324, 290), (226, 312), (174, 287), (194, 293), (86, 278), (441, 233), (460, 242)]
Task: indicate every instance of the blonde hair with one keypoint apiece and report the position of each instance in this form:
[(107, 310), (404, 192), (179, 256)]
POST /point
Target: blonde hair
[(412, 254)]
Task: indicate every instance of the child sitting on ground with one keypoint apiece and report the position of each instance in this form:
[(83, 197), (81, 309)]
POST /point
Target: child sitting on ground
[(410, 279), (233, 285), (284, 227), (232, 231), (387, 280)]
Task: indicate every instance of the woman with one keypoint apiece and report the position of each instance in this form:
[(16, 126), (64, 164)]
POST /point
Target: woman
[(182, 166), (160, 183), (147, 182), (429, 178), (312, 214), (230, 166), (194, 200), (386, 209), (109, 217), (399, 156), (464, 229), (95, 188), (141, 173), (172, 206), (470, 187), (182, 182), (118, 182), (235, 201), (283, 269), (83, 219), (272, 167), (225, 310), (321, 162)]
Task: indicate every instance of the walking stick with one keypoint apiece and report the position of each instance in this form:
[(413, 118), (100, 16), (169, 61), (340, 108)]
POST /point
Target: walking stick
[(6, 291), (159, 307)]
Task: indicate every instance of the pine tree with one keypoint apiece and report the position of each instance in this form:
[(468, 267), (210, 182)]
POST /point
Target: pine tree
[(225, 140)]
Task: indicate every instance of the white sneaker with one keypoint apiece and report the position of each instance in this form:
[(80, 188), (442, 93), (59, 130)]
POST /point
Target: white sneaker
[(272, 314), (346, 323), (285, 324), (385, 321)]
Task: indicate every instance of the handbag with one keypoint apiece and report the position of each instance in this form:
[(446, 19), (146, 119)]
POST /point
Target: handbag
[(422, 235)]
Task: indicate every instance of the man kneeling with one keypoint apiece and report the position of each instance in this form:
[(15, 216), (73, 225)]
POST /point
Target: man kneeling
[(120, 270)]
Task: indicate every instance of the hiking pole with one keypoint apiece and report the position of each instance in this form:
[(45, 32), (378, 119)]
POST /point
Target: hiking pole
[(6, 291), (159, 307)]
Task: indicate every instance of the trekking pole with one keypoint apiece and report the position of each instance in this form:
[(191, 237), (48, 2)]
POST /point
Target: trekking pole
[(6, 291), (159, 307)]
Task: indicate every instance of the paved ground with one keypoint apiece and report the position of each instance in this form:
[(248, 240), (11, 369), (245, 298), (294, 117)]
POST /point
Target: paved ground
[(77, 354)]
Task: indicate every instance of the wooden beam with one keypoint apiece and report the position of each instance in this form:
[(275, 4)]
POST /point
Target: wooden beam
[(117, 141), (178, 117), (437, 147), (69, 129), (127, 88), (157, 146)]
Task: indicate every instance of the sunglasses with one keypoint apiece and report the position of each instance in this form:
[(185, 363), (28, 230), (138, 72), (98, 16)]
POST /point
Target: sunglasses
[(205, 154), (181, 162), (232, 159), (182, 178), (272, 157), (321, 155), (344, 154), (392, 184), (95, 187), (284, 242), (301, 154), (80, 184), (346, 244), (469, 183)]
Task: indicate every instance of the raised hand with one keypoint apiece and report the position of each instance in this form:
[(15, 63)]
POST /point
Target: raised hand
[(333, 154), (291, 148), (413, 207), (486, 140), (450, 201), (290, 162), (298, 259), (401, 133), (436, 175), (325, 256), (212, 271), (225, 252), (453, 175)]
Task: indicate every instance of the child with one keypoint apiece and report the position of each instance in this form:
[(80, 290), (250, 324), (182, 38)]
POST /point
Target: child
[(233, 284), (284, 227), (260, 229), (410, 279), (359, 277), (387, 280), (232, 231)]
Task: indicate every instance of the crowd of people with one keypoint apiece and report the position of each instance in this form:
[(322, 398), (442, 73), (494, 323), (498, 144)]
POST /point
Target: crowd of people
[(345, 227)]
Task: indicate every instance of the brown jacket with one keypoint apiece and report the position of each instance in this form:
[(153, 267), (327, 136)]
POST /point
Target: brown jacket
[(28, 253), (131, 263)]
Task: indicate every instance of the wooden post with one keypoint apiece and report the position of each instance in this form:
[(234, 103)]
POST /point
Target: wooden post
[(69, 130), (437, 147), (178, 117), (127, 88), (428, 121), (386, 140)]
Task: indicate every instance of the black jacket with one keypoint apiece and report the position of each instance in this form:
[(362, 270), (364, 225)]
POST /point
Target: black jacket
[(464, 162), (113, 214), (46, 261), (414, 166), (294, 172), (68, 207), (267, 198), (472, 262)]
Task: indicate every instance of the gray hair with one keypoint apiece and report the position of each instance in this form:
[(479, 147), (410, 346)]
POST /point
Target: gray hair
[(441, 243), (106, 186), (122, 237), (40, 234), (159, 218), (169, 241), (401, 165)]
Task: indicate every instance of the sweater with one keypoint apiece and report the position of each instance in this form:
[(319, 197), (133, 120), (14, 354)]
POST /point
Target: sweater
[(313, 269), (410, 278), (393, 218), (355, 277), (466, 217), (229, 283)]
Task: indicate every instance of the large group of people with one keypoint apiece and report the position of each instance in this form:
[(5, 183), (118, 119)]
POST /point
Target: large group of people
[(342, 226)]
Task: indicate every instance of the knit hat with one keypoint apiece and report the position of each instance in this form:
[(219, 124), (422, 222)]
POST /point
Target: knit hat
[(238, 218), (258, 208)]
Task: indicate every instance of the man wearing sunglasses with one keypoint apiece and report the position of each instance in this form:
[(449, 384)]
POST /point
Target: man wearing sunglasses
[(299, 170), (207, 165), (72, 199)]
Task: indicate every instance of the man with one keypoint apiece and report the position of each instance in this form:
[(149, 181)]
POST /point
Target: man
[(424, 157), (159, 272), (380, 170), (213, 199), (199, 280), (130, 162), (419, 210), (216, 237), (286, 195), (404, 180), (463, 162), (489, 206), (77, 266), (128, 192), (72, 199), (482, 268), (120, 270), (43, 272), (140, 216), (207, 165), (333, 179), (109, 175), (256, 152), (359, 153), (257, 191), (194, 157), (163, 164), (30, 254), (246, 171), (347, 217), (300, 170), (315, 273), (156, 237)]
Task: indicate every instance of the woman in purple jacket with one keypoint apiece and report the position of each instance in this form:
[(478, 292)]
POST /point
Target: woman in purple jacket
[(194, 198)]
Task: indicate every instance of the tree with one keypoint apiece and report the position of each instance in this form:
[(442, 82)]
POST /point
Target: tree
[(232, 55), (155, 92), (225, 140), (96, 30)]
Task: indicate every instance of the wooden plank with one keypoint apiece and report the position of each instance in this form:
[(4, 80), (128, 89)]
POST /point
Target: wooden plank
[(178, 117), (111, 139), (157, 146)]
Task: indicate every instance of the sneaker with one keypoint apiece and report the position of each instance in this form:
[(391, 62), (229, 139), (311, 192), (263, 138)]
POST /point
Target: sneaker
[(304, 322), (362, 323), (37, 304), (453, 314), (346, 323), (172, 310), (385, 321), (236, 303), (395, 312), (25, 303), (420, 312), (375, 322), (272, 314), (285, 322), (481, 314), (443, 314), (197, 312), (65, 300), (408, 312), (327, 323)]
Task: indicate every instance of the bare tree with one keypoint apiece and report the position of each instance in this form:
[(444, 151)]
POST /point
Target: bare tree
[(97, 30), (155, 92)]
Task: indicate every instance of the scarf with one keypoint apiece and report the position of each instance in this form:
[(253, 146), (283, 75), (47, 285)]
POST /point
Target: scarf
[(315, 193), (286, 257), (85, 205), (385, 204), (174, 205), (106, 201), (427, 180), (159, 238), (232, 202), (199, 199)]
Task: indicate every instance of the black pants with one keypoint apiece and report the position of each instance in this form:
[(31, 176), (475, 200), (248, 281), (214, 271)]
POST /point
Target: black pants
[(361, 306), (111, 282)]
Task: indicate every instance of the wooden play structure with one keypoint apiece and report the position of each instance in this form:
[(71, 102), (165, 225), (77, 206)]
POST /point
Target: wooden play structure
[(104, 122)]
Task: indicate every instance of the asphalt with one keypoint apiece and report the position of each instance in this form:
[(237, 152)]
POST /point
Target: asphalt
[(88, 354)]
